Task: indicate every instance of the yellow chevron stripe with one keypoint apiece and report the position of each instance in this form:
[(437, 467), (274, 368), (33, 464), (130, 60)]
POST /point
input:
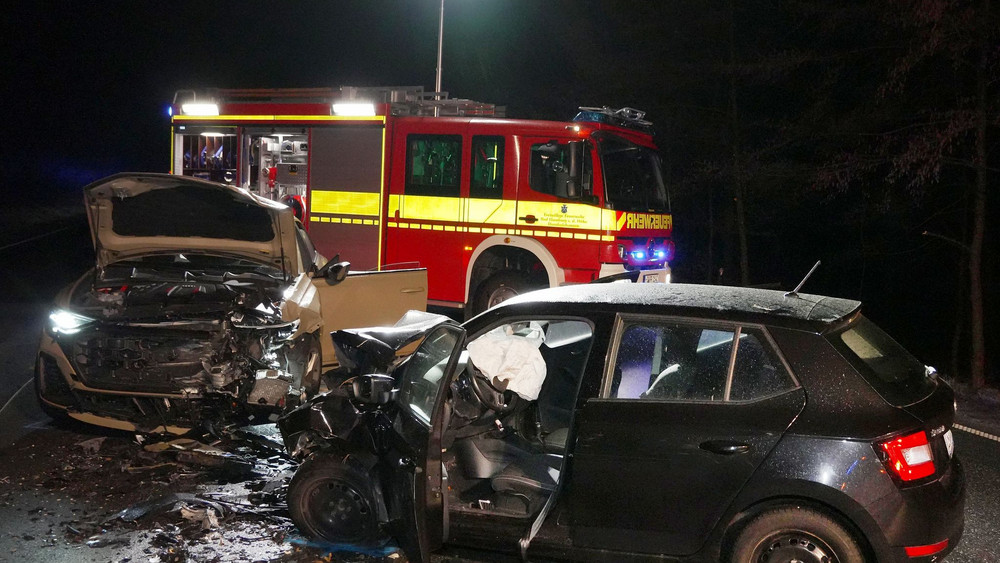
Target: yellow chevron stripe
[(344, 203)]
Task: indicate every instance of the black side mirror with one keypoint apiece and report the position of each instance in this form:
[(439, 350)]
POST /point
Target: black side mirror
[(374, 388), (334, 272)]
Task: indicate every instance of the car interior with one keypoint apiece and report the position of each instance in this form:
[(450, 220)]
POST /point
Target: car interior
[(503, 453), (690, 363)]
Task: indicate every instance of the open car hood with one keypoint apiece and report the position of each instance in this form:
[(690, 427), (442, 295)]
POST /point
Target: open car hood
[(136, 214)]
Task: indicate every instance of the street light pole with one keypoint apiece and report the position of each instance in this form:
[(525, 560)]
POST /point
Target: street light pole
[(437, 82)]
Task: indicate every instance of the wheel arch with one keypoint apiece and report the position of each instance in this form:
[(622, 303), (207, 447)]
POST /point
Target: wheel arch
[(815, 496), (499, 247)]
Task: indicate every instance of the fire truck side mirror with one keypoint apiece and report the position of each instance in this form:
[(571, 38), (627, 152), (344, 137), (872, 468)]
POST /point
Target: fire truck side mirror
[(575, 158)]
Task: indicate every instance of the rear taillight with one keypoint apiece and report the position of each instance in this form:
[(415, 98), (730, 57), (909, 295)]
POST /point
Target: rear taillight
[(925, 550), (909, 457)]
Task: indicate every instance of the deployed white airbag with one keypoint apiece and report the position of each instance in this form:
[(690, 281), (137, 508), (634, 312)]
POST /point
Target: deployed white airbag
[(513, 359)]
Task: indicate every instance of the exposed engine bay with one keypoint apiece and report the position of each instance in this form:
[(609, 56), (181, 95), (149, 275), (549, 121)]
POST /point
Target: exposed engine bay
[(206, 303), (193, 327)]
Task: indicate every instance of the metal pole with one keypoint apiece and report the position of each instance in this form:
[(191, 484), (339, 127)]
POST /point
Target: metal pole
[(437, 82)]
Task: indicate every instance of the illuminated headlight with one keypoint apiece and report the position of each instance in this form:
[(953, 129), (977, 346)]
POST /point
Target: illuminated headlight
[(638, 254), (659, 254), (65, 322)]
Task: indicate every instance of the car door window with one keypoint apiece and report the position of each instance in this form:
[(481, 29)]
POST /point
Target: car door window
[(425, 372), (678, 361), (758, 372)]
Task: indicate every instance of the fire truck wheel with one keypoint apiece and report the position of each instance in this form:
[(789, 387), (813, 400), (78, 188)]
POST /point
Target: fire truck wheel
[(500, 287)]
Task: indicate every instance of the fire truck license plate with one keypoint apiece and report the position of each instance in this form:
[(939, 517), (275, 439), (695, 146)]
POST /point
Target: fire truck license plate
[(653, 277)]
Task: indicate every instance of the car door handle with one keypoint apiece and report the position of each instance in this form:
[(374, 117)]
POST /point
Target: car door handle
[(725, 447), (528, 219)]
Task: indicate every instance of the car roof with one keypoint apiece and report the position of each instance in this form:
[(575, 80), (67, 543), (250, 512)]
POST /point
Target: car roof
[(815, 313)]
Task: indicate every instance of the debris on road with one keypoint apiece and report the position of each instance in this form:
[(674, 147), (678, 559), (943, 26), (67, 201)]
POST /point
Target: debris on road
[(214, 495)]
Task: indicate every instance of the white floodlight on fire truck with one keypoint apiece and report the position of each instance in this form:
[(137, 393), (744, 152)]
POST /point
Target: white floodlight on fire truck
[(354, 109), (200, 108)]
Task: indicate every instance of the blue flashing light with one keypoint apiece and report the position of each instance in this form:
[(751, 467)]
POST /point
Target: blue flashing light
[(638, 255), (660, 254), (170, 111)]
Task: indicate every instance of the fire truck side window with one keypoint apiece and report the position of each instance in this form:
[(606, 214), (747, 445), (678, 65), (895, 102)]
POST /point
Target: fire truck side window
[(433, 165), (550, 168), (487, 167)]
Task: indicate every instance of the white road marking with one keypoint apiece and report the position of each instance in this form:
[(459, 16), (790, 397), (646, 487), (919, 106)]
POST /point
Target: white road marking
[(20, 242), (975, 432), (16, 393)]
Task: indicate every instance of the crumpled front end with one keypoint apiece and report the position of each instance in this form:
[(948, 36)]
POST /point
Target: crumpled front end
[(333, 420), (166, 356)]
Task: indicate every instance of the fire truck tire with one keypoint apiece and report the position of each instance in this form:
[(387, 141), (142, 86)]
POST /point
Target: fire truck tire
[(500, 287)]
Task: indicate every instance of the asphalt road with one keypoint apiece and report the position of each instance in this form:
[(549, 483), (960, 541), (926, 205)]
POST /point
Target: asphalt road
[(31, 274)]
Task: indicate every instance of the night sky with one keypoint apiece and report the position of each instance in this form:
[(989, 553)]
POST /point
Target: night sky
[(87, 86), (89, 83)]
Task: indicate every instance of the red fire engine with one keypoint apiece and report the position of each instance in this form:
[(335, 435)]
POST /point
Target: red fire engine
[(389, 176)]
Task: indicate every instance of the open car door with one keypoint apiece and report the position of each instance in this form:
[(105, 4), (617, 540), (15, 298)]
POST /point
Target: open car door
[(412, 472), (377, 298)]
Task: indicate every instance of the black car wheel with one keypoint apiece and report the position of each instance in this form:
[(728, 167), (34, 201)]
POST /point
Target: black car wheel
[(333, 502), (796, 534)]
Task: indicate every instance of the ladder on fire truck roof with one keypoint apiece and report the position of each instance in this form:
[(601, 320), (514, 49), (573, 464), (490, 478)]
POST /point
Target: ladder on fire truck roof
[(402, 100)]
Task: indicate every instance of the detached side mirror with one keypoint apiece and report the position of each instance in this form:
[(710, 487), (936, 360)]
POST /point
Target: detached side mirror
[(374, 388), (334, 272)]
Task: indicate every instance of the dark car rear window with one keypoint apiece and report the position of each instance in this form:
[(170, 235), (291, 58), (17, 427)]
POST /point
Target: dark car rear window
[(894, 373)]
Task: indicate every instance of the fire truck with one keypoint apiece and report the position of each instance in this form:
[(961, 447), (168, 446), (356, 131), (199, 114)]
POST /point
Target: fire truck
[(399, 177)]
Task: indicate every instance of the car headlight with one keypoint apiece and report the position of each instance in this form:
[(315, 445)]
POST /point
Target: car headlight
[(62, 321)]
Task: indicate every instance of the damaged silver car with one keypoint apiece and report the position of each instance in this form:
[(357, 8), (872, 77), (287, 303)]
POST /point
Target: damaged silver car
[(205, 302)]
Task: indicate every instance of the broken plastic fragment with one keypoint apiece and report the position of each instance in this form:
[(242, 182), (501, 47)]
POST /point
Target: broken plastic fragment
[(204, 514), (93, 445)]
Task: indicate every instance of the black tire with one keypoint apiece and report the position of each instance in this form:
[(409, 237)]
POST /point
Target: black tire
[(499, 287), (795, 534), (333, 502)]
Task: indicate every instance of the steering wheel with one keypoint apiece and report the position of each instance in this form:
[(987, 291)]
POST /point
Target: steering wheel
[(498, 401)]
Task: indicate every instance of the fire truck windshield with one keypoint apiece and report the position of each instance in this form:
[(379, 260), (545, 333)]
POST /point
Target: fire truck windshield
[(633, 179)]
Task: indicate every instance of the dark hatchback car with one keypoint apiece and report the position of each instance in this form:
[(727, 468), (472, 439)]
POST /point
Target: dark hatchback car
[(629, 420)]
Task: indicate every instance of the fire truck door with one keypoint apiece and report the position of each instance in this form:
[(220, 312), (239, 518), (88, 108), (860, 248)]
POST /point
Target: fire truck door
[(486, 204), (425, 218), (345, 186)]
